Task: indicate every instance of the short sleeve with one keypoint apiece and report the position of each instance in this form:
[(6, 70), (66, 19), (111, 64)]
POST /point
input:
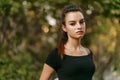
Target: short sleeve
[(53, 59)]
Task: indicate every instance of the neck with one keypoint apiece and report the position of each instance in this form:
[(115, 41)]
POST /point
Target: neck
[(73, 44)]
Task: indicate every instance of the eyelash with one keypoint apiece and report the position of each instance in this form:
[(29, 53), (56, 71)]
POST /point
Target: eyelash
[(72, 24), (81, 22)]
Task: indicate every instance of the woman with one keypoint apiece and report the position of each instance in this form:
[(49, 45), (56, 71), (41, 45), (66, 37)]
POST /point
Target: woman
[(71, 61)]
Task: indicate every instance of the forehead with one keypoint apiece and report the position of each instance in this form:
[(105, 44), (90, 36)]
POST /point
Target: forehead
[(73, 16)]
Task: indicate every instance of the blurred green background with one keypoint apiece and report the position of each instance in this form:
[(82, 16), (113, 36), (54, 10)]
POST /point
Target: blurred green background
[(29, 31)]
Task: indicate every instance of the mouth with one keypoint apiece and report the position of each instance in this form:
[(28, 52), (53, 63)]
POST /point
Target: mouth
[(80, 32)]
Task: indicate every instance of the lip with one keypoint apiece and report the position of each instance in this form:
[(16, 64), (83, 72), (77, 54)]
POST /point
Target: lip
[(80, 32)]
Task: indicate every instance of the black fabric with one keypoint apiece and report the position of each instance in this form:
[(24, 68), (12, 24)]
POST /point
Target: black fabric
[(72, 67)]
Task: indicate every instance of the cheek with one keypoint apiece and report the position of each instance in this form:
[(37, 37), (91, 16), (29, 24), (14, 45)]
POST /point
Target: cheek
[(69, 31), (84, 27), (69, 28)]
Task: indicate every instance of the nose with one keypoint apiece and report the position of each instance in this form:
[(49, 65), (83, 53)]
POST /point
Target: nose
[(79, 26)]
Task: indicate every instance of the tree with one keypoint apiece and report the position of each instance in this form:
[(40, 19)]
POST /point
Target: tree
[(27, 35)]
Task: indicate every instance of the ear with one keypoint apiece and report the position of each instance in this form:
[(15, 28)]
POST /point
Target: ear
[(63, 28)]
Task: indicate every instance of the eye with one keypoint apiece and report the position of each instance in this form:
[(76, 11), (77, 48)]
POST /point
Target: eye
[(72, 24), (82, 21)]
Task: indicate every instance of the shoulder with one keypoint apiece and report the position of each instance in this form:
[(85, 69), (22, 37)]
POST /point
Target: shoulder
[(54, 52), (53, 55), (89, 51), (53, 59)]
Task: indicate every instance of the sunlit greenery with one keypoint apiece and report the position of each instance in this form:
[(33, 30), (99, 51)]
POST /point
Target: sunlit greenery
[(29, 31)]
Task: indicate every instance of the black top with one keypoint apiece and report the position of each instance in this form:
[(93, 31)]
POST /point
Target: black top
[(72, 67)]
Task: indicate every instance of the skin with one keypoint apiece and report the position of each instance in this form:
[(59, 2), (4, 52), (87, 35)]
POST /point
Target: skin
[(74, 25), (75, 28)]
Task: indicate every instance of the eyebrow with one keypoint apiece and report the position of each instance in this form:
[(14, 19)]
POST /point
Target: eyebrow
[(75, 21), (72, 21)]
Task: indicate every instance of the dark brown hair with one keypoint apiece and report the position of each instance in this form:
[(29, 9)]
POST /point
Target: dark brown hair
[(63, 35)]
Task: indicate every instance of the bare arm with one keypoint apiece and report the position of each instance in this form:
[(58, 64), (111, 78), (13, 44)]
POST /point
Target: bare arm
[(46, 72)]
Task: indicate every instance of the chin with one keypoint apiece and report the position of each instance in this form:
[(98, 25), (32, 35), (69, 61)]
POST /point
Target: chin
[(79, 37)]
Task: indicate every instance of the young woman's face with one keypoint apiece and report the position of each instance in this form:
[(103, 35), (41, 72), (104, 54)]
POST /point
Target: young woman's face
[(74, 25)]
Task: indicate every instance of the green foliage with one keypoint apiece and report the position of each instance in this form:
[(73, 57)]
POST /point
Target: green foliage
[(19, 66), (112, 8), (26, 37)]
